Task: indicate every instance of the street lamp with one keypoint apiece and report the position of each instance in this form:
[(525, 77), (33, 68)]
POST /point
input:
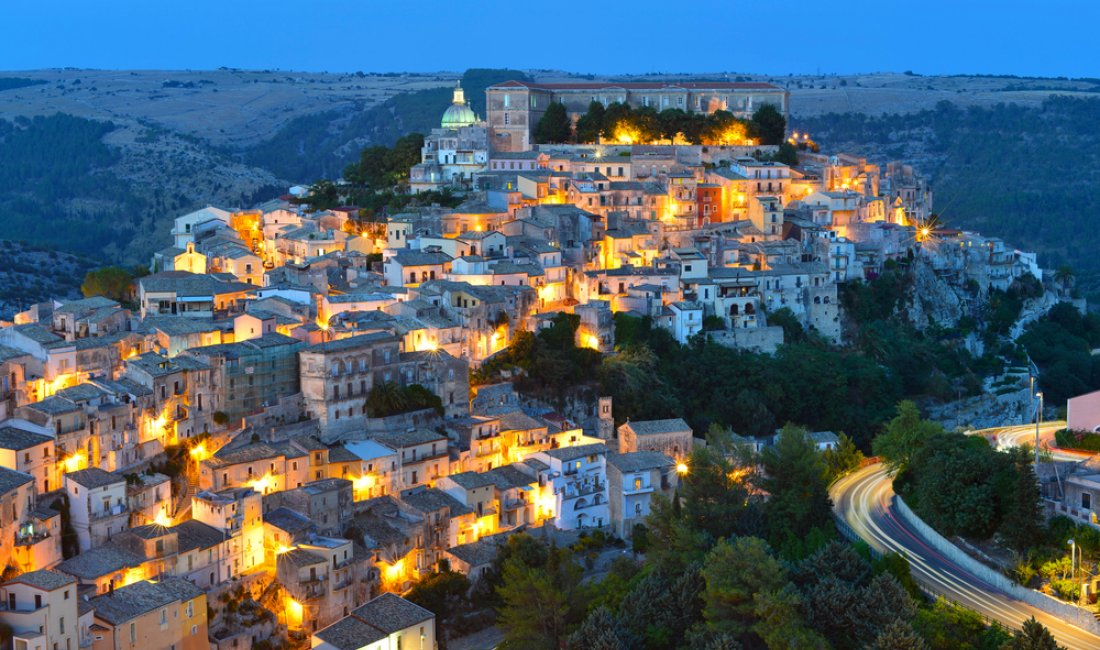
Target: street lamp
[(1038, 421), (1072, 566)]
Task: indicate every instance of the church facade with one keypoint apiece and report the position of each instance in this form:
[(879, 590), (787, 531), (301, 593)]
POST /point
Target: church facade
[(454, 152)]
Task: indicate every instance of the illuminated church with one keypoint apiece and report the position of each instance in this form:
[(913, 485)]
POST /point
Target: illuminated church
[(455, 151)]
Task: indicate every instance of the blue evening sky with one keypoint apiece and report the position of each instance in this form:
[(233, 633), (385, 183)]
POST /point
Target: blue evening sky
[(1024, 37)]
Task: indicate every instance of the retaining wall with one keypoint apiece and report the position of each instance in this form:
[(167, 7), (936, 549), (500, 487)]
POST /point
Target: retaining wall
[(1078, 616)]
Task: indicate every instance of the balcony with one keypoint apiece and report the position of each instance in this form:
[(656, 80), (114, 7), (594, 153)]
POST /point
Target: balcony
[(112, 511), (514, 504), (642, 489)]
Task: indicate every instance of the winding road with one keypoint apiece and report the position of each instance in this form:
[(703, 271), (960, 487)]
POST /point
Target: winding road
[(864, 501)]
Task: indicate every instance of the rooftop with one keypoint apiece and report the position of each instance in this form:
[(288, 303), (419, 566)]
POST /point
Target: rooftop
[(93, 478), (639, 460), (350, 633), (657, 427), (131, 601), (44, 579), (390, 613)]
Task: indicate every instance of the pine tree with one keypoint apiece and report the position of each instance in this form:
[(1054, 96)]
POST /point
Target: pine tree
[(600, 631), (1033, 636), (590, 124), (555, 125), (898, 635)]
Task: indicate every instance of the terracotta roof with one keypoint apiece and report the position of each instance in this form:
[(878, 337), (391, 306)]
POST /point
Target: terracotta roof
[(642, 85)]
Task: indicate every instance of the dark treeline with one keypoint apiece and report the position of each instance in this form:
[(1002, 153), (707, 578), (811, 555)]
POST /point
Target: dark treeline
[(53, 170)]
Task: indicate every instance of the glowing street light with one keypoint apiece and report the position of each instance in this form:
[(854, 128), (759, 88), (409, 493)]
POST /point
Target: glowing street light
[(681, 468)]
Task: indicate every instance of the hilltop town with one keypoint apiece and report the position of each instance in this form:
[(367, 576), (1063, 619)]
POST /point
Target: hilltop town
[(298, 414)]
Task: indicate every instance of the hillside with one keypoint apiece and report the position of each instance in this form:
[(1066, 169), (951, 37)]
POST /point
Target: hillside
[(1026, 173), (99, 162)]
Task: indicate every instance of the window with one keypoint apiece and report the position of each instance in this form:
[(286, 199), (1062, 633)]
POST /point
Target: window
[(1086, 501), (133, 633), (37, 601)]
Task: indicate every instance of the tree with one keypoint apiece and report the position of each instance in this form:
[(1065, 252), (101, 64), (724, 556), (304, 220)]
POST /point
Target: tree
[(1033, 636), (323, 195), (590, 125), (713, 498), (1021, 524), (552, 590), (904, 436), (781, 624), (444, 594), (734, 573), (534, 610), (662, 607), (600, 631), (845, 458), (795, 479), (768, 125), (111, 282), (898, 635), (555, 125), (385, 399)]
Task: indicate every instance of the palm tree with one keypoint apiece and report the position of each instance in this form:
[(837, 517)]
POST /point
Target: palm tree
[(1064, 277), (385, 399)]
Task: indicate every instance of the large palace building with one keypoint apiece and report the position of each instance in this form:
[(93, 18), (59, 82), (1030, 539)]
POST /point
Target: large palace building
[(515, 107)]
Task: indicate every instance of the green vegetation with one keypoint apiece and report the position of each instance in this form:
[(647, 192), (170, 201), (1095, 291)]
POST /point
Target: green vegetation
[(111, 282), (381, 167), (550, 362), (1083, 440), (48, 162), (11, 83), (960, 485), (1061, 345), (976, 164), (443, 593), (620, 122), (388, 399), (316, 146), (555, 125)]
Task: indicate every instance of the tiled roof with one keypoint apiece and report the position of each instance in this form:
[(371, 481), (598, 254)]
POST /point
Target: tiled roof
[(300, 557), (288, 520), (432, 499), (350, 633), (44, 579), (573, 453), (642, 85), (655, 427), (471, 480), (193, 534), (131, 601), (93, 477), (639, 460), (18, 439), (391, 613), (100, 561)]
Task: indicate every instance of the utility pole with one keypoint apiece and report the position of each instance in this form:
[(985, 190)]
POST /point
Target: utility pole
[(1031, 393)]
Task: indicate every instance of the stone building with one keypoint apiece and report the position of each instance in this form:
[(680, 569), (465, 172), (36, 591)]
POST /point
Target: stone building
[(671, 437), (515, 107)]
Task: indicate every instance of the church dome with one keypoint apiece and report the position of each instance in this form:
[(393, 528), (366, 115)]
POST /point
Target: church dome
[(458, 114)]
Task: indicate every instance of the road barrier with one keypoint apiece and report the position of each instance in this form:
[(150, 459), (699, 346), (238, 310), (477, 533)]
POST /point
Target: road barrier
[(1078, 616)]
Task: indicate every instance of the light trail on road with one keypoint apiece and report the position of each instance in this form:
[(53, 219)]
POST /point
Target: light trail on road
[(864, 500)]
